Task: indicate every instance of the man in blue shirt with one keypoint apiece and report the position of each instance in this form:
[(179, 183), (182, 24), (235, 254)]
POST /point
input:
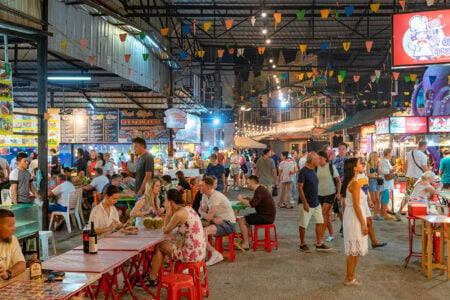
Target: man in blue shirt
[(217, 170), (309, 206), (444, 169), (338, 162)]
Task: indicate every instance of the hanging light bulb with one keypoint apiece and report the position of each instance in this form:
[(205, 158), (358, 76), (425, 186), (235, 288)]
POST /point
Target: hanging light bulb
[(263, 14), (268, 41), (271, 61), (264, 31)]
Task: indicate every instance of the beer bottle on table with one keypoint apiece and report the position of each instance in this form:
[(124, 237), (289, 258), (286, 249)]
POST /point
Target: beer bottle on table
[(35, 268), (92, 240), (86, 239)]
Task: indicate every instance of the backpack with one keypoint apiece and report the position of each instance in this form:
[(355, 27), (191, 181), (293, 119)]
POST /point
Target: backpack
[(330, 166)]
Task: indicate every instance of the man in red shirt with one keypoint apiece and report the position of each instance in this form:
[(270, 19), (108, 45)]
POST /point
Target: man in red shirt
[(220, 156), (264, 206)]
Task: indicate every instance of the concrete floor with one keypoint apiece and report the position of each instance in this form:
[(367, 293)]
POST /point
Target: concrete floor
[(290, 274)]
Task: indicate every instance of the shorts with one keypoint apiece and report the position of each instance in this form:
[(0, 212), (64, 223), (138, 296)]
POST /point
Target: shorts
[(235, 171), (327, 199), (225, 228), (255, 219), (410, 183), (385, 196), (227, 172), (373, 185), (305, 217), (56, 207)]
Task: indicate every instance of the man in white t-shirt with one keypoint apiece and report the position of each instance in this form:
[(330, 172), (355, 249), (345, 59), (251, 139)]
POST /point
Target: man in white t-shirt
[(99, 182), (416, 163), (302, 160), (62, 191), (12, 262), (215, 208)]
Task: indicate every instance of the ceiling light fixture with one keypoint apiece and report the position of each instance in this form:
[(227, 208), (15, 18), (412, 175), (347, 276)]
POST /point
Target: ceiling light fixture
[(268, 41), (68, 78), (274, 76), (264, 31), (263, 14), (271, 60), (274, 66)]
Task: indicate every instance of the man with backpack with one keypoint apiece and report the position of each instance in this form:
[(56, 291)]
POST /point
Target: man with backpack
[(329, 189)]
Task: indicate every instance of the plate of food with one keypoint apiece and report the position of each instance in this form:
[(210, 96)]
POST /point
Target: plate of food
[(129, 229)]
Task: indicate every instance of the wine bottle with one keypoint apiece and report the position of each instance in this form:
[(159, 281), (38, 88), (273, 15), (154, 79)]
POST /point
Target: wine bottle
[(86, 239), (35, 268), (92, 240)]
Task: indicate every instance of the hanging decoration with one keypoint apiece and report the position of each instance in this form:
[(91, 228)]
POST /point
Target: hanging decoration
[(145, 56), (303, 48), (129, 72), (164, 55), (336, 15), (346, 45), (253, 20), (229, 23), (300, 76), (195, 27), (123, 37), (83, 43), (395, 75), (240, 52), (372, 78), (201, 53), (324, 13), (64, 46), (356, 78), (315, 73), (231, 51), (339, 78), (207, 26), (377, 73), (369, 45), (374, 7), (142, 35), (309, 74), (284, 76), (448, 79), (277, 17), (342, 73), (127, 57), (430, 2), (432, 79), (349, 10), (402, 3), (407, 78), (185, 29), (324, 46), (164, 31), (91, 58), (183, 55), (220, 52), (330, 73), (413, 77), (300, 14), (261, 50)]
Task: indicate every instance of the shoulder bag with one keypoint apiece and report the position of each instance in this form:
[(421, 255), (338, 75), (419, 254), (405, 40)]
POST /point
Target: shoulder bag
[(412, 154)]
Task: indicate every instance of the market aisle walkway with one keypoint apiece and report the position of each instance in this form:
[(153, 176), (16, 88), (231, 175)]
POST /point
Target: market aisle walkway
[(290, 274)]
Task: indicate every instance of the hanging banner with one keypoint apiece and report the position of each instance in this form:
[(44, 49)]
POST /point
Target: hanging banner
[(6, 99), (382, 126), (147, 124)]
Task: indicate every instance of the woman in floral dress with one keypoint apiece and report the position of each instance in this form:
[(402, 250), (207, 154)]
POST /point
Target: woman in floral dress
[(190, 246)]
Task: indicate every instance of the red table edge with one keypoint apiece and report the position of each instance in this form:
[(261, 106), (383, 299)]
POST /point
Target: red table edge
[(157, 242)]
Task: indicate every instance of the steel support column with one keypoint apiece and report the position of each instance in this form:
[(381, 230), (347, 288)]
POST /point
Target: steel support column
[(170, 105)]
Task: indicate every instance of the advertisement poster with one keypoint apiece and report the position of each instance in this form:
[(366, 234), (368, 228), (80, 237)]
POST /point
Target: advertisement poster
[(147, 124), (366, 130), (408, 125), (191, 133), (421, 38), (439, 124), (382, 126), (175, 118), (6, 99), (53, 128)]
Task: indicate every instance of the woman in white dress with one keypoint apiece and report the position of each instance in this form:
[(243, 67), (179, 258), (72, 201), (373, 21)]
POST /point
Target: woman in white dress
[(354, 221)]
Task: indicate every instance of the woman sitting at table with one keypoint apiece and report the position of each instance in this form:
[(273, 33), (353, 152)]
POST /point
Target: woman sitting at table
[(104, 215), (148, 204), (190, 247), (423, 190), (183, 184)]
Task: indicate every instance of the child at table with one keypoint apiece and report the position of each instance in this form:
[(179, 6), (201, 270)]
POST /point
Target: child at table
[(105, 215), (149, 204)]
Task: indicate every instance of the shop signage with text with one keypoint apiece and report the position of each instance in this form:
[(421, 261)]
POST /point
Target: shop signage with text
[(382, 126), (366, 130), (408, 125), (175, 118), (439, 124)]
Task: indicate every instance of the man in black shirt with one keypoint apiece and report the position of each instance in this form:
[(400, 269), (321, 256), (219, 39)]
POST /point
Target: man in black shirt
[(54, 164)]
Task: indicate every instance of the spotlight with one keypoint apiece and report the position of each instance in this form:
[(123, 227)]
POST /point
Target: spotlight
[(263, 14), (268, 41), (274, 66), (271, 61), (264, 31), (274, 76)]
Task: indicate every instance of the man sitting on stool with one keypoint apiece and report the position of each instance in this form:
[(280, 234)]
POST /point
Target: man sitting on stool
[(263, 203), (12, 262)]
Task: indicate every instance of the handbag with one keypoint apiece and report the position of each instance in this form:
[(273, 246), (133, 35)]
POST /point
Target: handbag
[(380, 181), (275, 191)]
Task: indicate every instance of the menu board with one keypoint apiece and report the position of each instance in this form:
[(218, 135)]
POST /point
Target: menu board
[(53, 128), (408, 125), (147, 124), (90, 126), (382, 126), (6, 99), (439, 124)]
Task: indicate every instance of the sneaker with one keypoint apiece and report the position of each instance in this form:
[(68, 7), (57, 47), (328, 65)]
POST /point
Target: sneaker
[(378, 218), (323, 248), (305, 248), (236, 188), (397, 217), (329, 239), (216, 257), (388, 217)]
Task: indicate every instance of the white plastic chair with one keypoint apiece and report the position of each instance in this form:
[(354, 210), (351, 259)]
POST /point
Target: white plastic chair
[(79, 212), (71, 210), (46, 237), (5, 197)]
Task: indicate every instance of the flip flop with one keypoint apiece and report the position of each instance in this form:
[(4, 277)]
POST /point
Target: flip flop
[(290, 207), (282, 206), (353, 282)]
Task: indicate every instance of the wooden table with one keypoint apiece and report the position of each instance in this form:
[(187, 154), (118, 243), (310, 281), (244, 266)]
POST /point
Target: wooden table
[(126, 244), (142, 233), (435, 224), (72, 284)]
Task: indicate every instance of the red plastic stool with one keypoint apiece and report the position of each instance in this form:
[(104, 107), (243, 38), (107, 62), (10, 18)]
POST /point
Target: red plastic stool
[(195, 270), (163, 272), (226, 252), (266, 242), (175, 283)]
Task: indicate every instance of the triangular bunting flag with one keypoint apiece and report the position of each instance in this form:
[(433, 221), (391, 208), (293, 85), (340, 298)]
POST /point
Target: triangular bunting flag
[(374, 7), (145, 56), (346, 45), (300, 14), (377, 73), (395, 75), (336, 15), (356, 78), (349, 10), (330, 73), (164, 31), (284, 76), (63, 46), (413, 77), (324, 46), (83, 43), (195, 27), (342, 73), (220, 52), (253, 20), (231, 51), (127, 57), (300, 76), (201, 53), (402, 3), (430, 2), (324, 13), (156, 83), (377, 80), (277, 17), (432, 79), (183, 55), (206, 26), (303, 48), (164, 55), (129, 72), (340, 79), (261, 50), (448, 79), (369, 45), (309, 74), (407, 78), (240, 52), (91, 58), (229, 23), (185, 29), (123, 37), (142, 35), (315, 72)]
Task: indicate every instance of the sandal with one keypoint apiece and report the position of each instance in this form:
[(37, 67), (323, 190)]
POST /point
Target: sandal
[(353, 282), (290, 207), (282, 206), (152, 282)]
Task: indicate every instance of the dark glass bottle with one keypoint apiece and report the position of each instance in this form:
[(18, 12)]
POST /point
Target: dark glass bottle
[(86, 239), (92, 240)]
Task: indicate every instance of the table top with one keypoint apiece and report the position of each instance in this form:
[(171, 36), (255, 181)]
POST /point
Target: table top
[(435, 219), (78, 261), (142, 233), (237, 205), (138, 244)]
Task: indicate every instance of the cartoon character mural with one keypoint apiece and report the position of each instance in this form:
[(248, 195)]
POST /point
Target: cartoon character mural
[(420, 38)]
